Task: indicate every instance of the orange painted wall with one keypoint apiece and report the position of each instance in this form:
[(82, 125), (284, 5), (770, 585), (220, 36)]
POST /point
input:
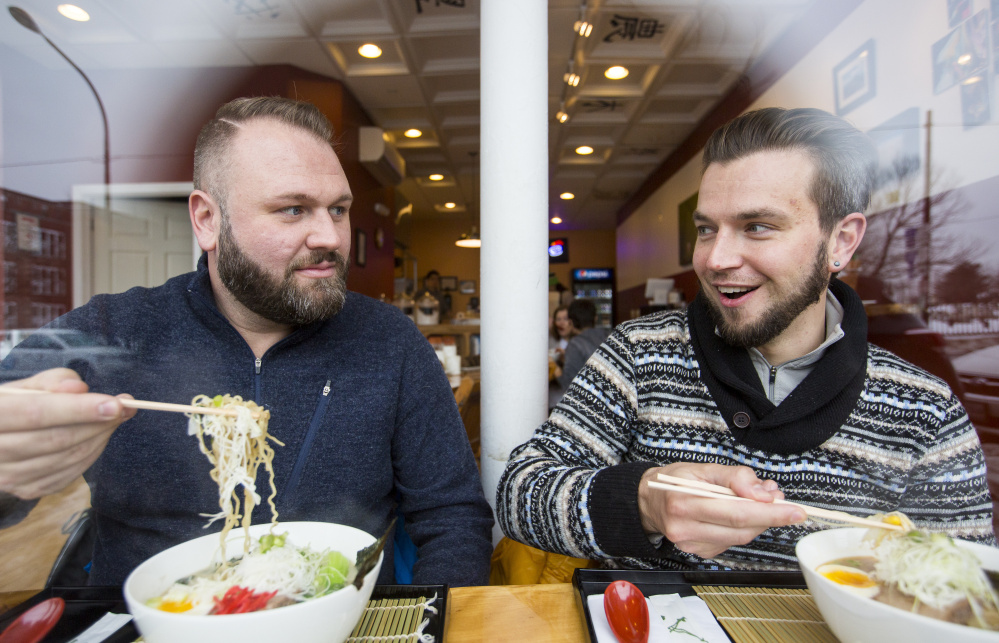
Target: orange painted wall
[(431, 241), (587, 249)]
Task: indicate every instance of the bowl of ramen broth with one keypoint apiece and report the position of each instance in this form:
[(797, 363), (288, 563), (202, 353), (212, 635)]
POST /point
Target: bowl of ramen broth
[(326, 619), (854, 618)]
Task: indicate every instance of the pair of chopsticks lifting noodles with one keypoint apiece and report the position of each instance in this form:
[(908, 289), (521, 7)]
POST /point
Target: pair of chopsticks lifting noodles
[(138, 404), (708, 490)]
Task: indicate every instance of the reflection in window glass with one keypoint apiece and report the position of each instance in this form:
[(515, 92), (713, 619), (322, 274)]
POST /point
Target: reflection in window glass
[(918, 77)]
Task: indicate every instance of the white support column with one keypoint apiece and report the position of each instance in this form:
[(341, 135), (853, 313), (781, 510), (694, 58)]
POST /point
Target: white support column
[(514, 268)]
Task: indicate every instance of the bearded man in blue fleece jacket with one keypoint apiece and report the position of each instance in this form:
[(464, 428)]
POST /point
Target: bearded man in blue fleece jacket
[(355, 392)]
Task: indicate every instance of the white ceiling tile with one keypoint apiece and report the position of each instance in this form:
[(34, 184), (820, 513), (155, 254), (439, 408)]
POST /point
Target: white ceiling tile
[(308, 55), (379, 91), (346, 18), (446, 54), (202, 53), (392, 62), (440, 16)]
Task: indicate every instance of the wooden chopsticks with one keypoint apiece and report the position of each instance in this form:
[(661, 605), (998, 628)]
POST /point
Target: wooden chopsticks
[(139, 404), (708, 490)]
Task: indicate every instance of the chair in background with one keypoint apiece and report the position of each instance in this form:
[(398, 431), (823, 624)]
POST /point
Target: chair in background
[(515, 563), (469, 412), (463, 393), (72, 566)]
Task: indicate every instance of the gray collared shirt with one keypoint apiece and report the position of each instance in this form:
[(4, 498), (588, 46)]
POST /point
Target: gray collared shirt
[(779, 381)]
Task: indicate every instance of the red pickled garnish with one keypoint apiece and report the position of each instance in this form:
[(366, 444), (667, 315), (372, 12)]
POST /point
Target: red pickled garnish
[(240, 600)]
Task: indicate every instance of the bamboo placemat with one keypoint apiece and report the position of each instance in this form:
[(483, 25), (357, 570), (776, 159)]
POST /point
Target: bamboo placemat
[(399, 620), (766, 615)]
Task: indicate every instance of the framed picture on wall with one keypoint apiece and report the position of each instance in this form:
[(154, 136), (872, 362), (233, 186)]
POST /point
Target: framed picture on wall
[(467, 287), (854, 79), (687, 229), (961, 54), (558, 250), (360, 247), (897, 142), (958, 10), (975, 103), (449, 284), (995, 39)]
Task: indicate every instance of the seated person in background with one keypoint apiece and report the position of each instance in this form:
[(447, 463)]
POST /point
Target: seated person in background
[(583, 315), (560, 333), (356, 394), (432, 285), (765, 385)]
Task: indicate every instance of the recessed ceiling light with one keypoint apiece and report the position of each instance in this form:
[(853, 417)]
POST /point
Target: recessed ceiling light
[(972, 80), (583, 28), (571, 79), (556, 220), (584, 150), (436, 177), (617, 72), (369, 50), (567, 195), (562, 116), (413, 133), (73, 12), (449, 205)]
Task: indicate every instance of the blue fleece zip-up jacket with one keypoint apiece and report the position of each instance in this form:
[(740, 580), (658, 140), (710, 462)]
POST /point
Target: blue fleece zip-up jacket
[(360, 402)]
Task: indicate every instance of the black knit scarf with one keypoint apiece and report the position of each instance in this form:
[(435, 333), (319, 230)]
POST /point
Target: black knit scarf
[(813, 411)]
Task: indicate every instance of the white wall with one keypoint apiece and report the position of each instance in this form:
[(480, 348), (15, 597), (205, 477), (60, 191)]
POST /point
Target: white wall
[(904, 32)]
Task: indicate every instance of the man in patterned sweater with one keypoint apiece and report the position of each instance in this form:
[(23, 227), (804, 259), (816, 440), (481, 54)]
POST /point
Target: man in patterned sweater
[(765, 385)]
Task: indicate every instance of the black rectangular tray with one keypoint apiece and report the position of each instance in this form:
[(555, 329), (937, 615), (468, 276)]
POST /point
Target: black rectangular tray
[(587, 582), (86, 605)]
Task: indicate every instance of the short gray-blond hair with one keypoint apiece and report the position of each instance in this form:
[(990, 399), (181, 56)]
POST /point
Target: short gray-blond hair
[(211, 152)]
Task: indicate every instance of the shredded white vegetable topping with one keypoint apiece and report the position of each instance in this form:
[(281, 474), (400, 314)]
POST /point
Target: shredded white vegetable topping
[(930, 567), (288, 570), (293, 572)]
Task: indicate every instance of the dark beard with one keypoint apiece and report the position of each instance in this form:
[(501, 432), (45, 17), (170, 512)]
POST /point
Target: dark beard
[(283, 302), (779, 316)]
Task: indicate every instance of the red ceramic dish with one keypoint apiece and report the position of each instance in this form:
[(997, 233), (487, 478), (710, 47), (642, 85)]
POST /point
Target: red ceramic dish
[(33, 625)]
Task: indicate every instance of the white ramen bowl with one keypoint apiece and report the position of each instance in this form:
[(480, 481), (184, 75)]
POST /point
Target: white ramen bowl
[(856, 619), (328, 619)]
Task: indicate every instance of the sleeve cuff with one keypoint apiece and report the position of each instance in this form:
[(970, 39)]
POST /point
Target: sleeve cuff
[(613, 506)]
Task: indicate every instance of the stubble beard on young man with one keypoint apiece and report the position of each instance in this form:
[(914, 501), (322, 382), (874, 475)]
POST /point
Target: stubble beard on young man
[(781, 313), (284, 301)]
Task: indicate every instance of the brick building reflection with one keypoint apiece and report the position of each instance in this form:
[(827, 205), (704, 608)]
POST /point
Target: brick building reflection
[(37, 259)]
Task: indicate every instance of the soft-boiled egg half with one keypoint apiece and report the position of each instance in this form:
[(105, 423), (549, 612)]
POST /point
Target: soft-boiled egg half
[(850, 578)]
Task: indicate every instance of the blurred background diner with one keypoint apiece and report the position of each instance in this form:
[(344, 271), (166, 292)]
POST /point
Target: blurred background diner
[(504, 163)]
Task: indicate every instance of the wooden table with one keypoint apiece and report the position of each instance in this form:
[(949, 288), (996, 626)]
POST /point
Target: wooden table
[(520, 613)]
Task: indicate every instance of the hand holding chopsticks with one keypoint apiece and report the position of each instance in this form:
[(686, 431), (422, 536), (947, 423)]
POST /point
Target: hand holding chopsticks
[(52, 430), (707, 490), (138, 404), (47, 441)]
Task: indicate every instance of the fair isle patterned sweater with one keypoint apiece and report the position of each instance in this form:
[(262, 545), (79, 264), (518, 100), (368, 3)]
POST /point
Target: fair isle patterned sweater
[(866, 432)]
